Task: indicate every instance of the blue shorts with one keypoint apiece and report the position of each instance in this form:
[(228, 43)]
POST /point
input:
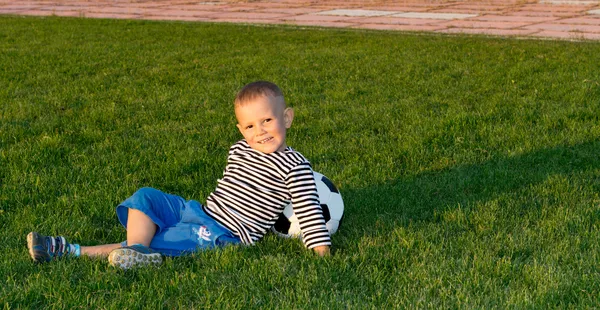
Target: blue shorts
[(183, 227)]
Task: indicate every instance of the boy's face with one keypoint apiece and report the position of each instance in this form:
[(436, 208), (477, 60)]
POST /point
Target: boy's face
[(263, 123)]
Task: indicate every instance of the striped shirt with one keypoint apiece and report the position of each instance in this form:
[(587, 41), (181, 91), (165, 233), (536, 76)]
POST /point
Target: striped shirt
[(255, 189)]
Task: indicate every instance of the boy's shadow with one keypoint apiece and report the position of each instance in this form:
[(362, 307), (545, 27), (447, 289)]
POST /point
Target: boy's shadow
[(376, 210)]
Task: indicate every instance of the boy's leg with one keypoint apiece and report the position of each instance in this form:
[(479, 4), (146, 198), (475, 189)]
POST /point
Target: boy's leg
[(46, 248), (99, 250), (140, 228), (140, 231)]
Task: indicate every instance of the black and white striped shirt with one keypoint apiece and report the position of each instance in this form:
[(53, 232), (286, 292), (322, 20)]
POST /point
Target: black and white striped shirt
[(255, 189)]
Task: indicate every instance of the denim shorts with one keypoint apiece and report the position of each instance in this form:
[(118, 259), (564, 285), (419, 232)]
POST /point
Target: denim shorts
[(183, 226)]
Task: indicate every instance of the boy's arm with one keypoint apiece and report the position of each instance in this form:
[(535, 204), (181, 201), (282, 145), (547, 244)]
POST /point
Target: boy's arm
[(305, 199)]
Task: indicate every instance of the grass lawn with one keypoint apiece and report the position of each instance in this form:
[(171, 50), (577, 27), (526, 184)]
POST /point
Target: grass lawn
[(470, 166)]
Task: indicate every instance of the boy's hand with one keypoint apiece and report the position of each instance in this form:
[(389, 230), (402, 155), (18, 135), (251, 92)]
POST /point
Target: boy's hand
[(322, 250)]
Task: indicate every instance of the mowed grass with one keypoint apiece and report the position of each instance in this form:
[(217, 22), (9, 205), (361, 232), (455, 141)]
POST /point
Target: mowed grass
[(469, 166)]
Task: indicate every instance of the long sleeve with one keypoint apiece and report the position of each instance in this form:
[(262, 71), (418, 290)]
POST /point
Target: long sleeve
[(305, 201)]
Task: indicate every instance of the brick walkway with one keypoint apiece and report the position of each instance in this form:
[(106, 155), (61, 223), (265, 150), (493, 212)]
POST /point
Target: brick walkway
[(556, 19)]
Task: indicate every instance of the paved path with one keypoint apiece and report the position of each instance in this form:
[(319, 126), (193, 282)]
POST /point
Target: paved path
[(556, 19)]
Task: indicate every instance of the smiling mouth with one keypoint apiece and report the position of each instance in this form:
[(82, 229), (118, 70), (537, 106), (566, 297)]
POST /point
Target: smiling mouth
[(265, 140)]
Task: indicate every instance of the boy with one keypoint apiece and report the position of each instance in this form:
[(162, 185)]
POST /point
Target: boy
[(261, 177)]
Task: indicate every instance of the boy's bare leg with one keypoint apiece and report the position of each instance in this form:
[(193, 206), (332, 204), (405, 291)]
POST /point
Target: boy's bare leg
[(99, 250), (140, 231), (140, 228)]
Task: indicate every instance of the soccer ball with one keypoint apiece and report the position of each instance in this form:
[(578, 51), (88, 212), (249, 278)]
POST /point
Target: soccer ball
[(287, 224)]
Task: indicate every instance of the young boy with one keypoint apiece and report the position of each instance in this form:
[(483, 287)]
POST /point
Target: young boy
[(261, 177)]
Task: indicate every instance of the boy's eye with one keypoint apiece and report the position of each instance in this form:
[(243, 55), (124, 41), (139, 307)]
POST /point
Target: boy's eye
[(249, 127), (268, 120)]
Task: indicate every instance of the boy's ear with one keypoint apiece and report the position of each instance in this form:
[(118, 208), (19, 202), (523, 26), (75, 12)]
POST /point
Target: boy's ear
[(288, 117), (239, 127)]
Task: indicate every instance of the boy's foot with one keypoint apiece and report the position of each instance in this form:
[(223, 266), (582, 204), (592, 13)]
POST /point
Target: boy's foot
[(134, 255), (45, 248)]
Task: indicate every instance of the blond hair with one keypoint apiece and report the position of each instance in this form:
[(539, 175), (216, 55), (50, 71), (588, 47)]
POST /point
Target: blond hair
[(257, 89)]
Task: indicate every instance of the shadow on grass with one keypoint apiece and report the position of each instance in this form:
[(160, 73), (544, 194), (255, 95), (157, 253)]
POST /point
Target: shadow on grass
[(419, 198)]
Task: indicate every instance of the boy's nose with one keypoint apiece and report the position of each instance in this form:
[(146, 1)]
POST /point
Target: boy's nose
[(259, 130)]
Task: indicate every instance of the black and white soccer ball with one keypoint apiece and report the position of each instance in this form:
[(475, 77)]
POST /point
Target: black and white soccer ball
[(287, 224)]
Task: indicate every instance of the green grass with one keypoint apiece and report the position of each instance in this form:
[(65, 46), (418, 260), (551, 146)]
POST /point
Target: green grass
[(469, 166)]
